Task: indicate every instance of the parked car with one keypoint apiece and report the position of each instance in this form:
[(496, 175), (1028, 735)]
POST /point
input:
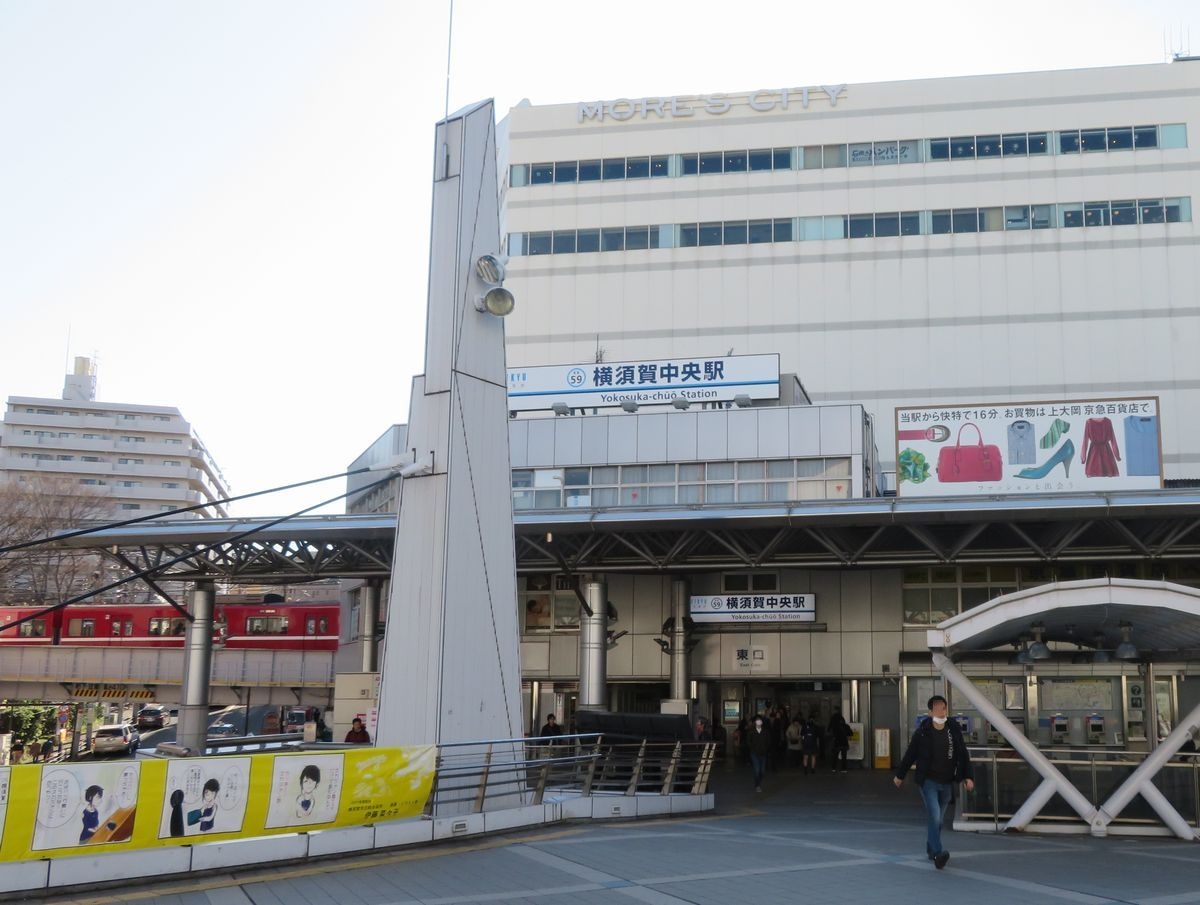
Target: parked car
[(115, 738), (152, 717), (222, 730)]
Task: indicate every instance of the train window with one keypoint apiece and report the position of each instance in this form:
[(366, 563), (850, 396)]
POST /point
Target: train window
[(322, 626), (266, 625), (310, 626), (116, 628), (81, 628), (128, 627), (160, 626), (34, 629)]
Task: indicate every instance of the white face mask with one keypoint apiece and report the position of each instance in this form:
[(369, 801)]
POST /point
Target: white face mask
[(758, 724), (939, 721)]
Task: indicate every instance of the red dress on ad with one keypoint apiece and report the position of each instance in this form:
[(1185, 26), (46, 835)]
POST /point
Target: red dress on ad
[(1100, 452)]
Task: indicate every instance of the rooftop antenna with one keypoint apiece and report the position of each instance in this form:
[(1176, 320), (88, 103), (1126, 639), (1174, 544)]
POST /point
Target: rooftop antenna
[(449, 44)]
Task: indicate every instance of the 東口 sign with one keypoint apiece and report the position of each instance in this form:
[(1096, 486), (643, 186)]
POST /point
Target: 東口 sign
[(654, 382), (754, 608)]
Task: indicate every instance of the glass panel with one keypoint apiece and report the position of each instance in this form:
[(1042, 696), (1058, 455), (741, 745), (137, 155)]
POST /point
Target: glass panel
[(1068, 142), (736, 582), (690, 164), (735, 161), (720, 471), (760, 159), (910, 223), (837, 468), (962, 146), (539, 243), (516, 248), (939, 222), (711, 162), (811, 228), (661, 496), (916, 606), (837, 490), (747, 470), (1092, 140), (662, 236), (613, 168), (1145, 137), (1042, 215), (1152, 210), (661, 474), (1070, 215), (861, 155), (812, 157), (987, 146), (1173, 136), (637, 237), (692, 472), (564, 242), (689, 235), (810, 468), (781, 468), (975, 574), (764, 581), (577, 477), (518, 175), (943, 575), (547, 499), (887, 224), (991, 219), (612, 239), (587, 240), (637, 168), (540, 173), (604, 496), (862, 226), (759, 231), (719, 493), (604, 474), (783, 230), (966, 220), (735, 232), (1015, 145), (633, 496), (589, 171), (691, 493), (915, 575), (660, 166), (710, 233), (751, 493), (522, 499), (972, 597), (777, 491), (633, 474), (1016, 217), (1120, 139), (1095, 213), (833, 156), (810, 490), (885, 153), (566, 171), (1179, 210), (1039, 143), (782, 158), (909, 150), (939, 149), (834, 227)]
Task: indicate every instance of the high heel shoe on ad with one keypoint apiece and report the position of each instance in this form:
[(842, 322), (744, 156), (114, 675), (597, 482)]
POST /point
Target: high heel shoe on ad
[(1063, 457)]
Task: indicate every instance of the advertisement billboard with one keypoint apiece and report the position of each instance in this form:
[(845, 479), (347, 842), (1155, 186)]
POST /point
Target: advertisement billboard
[(652, 382), (1074, 445)]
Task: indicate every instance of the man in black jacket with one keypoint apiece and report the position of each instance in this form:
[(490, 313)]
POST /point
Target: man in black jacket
[(940, 754)]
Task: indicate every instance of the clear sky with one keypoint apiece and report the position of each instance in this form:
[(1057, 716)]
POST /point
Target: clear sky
[(227, 202)]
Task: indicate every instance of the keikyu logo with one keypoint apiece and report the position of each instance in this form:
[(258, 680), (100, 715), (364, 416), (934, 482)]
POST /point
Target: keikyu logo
[(718, 603), (576, 378)]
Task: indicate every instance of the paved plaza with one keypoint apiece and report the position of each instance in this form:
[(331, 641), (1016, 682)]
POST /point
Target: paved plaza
[(825, 839)]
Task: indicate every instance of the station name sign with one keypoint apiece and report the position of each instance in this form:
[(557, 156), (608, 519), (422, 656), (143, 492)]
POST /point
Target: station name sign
[(685, 105), (754, 608), (651, 382)]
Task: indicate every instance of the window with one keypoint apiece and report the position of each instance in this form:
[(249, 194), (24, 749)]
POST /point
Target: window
[(939, 149), (541, 173), (710, 233), (939, 222), (711, 162), (887, 225), (735, 161), (1124, 213), (1120, 139), (987, 146), (759, 231), (833, 156), (1015, 145), (34, 629), (1093, 140), (965, 220), (1068, 142), (539, 243), (861, 226), (1152, 211), (589, 171), (1070, 215), (612, 168), (518, 175), (1016, 217), (735, 232), (129, 483), (612, 239), (587, 240), (170, 485), (1039, 143), (637, 168), (66, 458), (690, 164), (81, 628), (127, 439), (812, 157), (660, 166), (266, 625), (1173, 135), (566, 171), (637, 237), (563, 242), (1095, 213), (962, 147), (90, 459), (782, 158), (760, 159), (131, 506), (175, 463), (783, 230), (1145, 136), (131, 461), (740, 582)]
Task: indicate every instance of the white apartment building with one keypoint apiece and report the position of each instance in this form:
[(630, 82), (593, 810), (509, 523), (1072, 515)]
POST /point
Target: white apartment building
[(954, 241), (142, 459)]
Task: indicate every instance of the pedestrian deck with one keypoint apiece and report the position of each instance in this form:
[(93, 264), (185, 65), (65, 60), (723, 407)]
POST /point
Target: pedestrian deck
[(825, 839)]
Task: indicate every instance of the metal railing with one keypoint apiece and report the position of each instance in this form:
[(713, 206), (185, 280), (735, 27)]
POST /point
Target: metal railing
[(1003, 781), (523, 770)]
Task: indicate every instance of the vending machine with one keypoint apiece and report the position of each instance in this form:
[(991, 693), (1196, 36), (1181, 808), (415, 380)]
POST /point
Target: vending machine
[(1060, 730), (1095, 729)]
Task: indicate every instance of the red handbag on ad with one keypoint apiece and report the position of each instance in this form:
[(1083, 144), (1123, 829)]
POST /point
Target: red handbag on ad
[(958, 464)]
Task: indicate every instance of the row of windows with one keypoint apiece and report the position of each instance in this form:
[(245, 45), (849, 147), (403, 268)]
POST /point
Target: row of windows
[(170, 463), (666, 485), (855, 154), (1128, 212), (68, 435), (124, 416)]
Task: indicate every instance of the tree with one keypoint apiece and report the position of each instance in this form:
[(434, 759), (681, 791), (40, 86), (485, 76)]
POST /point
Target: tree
[(42, 507)]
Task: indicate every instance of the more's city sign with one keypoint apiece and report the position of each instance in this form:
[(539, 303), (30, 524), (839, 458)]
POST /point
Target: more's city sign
[(682, 105), (754, 608), (1064, 446), (652, 382)]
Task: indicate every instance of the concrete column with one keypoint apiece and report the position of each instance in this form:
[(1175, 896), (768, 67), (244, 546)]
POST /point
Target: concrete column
[(192, 731), (1151, 708), (370, 617), (593, 648), (680, 690)]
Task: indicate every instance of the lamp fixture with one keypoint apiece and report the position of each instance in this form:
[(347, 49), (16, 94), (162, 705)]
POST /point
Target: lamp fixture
[(560, 408), (742, 401), (497, 301), (1038, 649), (1126, 650), (490, 269), (630, 405), (681, 402)]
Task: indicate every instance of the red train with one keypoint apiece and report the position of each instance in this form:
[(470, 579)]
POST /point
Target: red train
[(263, 626)]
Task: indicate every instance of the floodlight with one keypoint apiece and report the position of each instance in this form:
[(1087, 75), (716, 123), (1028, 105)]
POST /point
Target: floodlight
[(681, 402), (1038, 649), (742, 401), (629, 405), (498, 302), (490, 269), (1126, 650), (560, 408)]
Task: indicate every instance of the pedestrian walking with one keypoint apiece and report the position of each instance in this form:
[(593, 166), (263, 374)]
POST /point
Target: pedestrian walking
[(810, 745), (794, 731), (839, 740), (940, 755), (758, 741)]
